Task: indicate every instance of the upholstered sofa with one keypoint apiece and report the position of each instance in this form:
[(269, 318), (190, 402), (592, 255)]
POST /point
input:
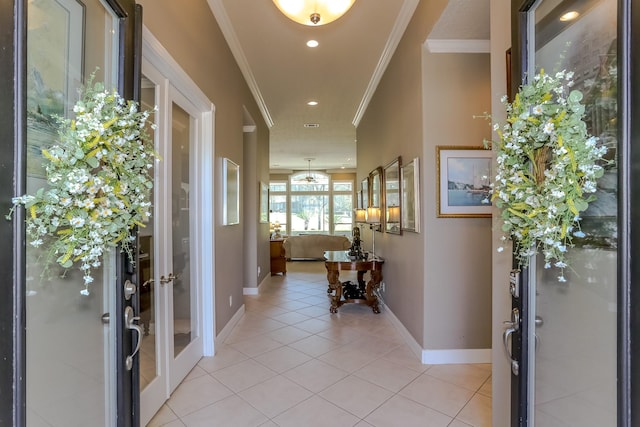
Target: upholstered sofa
[(312, 246)]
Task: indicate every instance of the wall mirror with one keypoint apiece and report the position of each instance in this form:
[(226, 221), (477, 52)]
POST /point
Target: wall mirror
[(410, 200), (392, 197), (230, 192)]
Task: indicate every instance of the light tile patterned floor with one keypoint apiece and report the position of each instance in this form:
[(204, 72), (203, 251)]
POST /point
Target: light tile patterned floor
[(289, 362)]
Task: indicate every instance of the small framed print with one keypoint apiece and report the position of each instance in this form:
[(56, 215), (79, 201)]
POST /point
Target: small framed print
[(463, 175)]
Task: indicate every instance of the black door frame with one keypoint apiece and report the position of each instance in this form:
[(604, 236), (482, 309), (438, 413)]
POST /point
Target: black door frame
[(13, 31), (628, 206)]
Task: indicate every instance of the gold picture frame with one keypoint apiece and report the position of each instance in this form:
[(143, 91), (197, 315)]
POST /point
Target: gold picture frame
[(463, 176)]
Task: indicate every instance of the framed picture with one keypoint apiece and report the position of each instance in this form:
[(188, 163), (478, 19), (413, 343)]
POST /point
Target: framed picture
[(264, 203), (410, 200), (392, 206), (230, 192), (375, 180), (365, 193), (463, 175)]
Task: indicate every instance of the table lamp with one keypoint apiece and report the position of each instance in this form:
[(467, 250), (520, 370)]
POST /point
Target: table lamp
[(373, 219)]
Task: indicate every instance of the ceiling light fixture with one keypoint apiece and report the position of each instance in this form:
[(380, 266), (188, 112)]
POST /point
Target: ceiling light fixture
[(313, 43), (569, 16), (314, 12), (312, 103)]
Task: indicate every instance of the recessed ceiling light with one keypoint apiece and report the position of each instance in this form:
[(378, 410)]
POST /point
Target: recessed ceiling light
[(569, 16), (312, 125), (312, 43), (312, 103)]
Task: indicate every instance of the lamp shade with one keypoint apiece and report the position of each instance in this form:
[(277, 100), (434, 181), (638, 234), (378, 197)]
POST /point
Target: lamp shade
[(393, 214), (313, 12), (373, 215), (361, 215)]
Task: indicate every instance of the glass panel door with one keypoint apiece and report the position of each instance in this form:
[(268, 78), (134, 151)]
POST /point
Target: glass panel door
[(184, 328), (574, 359), (185, 292), (170, 295), (71, 334)]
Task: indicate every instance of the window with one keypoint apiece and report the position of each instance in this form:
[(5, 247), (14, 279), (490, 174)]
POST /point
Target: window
[(278, 204), (343, 207), (311, 203)]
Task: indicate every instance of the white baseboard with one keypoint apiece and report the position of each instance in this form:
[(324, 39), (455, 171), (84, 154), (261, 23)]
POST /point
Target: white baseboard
[(408, 338), (443, 357), (254, 291), (438, 357), (224, 333)]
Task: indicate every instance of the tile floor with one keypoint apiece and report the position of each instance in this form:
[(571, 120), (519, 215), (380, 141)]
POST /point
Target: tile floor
[(289, 362)]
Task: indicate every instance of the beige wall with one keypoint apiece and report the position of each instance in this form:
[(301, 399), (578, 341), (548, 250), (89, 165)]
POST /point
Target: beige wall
[(425, 100), (190, 33), (457, 250)]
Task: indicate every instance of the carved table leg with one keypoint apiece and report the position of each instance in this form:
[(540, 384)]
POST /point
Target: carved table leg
[(372, 286), (334, 285)]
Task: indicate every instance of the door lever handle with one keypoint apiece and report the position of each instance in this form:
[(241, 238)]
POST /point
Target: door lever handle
[(513, 326), (129, 318), (170, 278), (515, 367)]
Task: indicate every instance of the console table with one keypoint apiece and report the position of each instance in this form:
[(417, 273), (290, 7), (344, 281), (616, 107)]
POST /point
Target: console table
[(339, 260)]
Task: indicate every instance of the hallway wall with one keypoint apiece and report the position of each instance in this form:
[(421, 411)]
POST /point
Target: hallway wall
[(189, 31), (422, 101)]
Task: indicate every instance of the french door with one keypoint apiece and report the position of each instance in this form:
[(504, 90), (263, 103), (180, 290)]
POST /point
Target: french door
[(171, 270), (572, 346)]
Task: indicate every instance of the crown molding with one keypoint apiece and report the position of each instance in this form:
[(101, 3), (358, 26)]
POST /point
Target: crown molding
[(458, 46), (222, 17), (404, 17)]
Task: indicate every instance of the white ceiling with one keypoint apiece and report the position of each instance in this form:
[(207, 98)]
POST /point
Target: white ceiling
[(341, 73)]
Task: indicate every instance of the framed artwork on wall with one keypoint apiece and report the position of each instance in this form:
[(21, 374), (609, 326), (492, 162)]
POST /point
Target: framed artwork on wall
[(392, 196), (230, 192), (264, 203), (365, 192), (410, 200), (463, 176), (375, 180)]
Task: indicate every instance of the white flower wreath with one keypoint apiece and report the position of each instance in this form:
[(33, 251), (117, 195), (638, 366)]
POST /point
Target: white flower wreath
[(98, 182), (548, 165)]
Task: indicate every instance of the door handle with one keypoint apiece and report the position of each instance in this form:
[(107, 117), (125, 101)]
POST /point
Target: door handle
[(513, 326), (129, 320), (169, 278)]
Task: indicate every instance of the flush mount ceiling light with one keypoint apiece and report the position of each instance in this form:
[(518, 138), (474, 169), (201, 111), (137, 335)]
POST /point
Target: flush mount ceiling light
[(313, 43), (314, 12), (569, 16)]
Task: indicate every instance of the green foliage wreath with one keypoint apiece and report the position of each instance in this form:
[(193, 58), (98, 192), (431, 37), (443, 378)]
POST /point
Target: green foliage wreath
[(98, 182), (548, 165)]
